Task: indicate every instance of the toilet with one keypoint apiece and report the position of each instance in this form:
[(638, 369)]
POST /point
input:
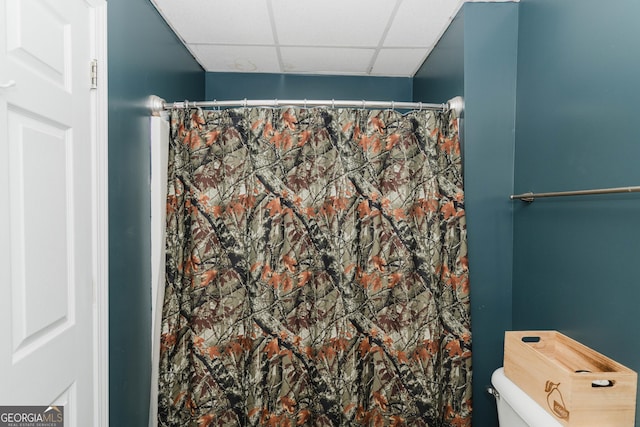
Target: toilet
[(515, 407)]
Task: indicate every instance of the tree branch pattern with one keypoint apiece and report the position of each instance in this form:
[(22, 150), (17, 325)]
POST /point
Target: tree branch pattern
[(317, 270)]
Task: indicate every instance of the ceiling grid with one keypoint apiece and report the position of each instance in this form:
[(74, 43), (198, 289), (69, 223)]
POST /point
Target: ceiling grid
[(336, 37)]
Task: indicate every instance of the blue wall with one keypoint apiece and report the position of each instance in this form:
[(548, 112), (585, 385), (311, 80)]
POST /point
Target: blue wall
[(230, 86), (490, 58), (478, 54), (144, 58), (576, 263), (566, 264), (441, 76)]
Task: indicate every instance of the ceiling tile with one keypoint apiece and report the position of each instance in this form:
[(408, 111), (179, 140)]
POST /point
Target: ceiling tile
[(310, 36), (243, 59), (398, 62), (326, 60), (420, 22), (353, 23), (219, 21)]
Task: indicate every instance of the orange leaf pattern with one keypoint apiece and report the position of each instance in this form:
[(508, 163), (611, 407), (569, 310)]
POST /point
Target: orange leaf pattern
[(317, 272)]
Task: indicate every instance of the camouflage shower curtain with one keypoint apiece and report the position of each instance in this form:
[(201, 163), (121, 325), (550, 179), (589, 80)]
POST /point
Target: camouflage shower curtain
[(317, 270)]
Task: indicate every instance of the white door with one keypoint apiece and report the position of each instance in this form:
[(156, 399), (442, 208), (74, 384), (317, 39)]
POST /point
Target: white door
[(46, 206)]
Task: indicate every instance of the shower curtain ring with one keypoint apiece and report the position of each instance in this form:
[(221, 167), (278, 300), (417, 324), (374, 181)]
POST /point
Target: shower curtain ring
[(393, 106), (305, 103), (245, 103), (333, 103), (363, 105), (186, 104)]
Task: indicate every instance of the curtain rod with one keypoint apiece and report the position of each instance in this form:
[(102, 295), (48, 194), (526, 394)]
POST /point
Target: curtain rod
[(157, 104), (530, 197)]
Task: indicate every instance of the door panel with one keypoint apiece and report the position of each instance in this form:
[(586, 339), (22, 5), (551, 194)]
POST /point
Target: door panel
[(40, 204), (30, 22), (46, 235)]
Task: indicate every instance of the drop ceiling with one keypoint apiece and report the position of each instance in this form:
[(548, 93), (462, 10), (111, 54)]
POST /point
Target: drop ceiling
[(337, 37)]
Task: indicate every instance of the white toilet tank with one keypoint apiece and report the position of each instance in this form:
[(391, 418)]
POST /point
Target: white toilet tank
[(515, 407)]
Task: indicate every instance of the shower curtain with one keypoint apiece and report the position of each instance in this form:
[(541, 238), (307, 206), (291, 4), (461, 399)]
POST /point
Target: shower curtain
[(317, 270)]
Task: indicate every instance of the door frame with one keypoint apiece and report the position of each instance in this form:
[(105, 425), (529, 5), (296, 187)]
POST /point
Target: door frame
[(100, 138)]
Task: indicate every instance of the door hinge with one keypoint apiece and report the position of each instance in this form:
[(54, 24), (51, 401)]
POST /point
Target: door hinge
[(94, 74)]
